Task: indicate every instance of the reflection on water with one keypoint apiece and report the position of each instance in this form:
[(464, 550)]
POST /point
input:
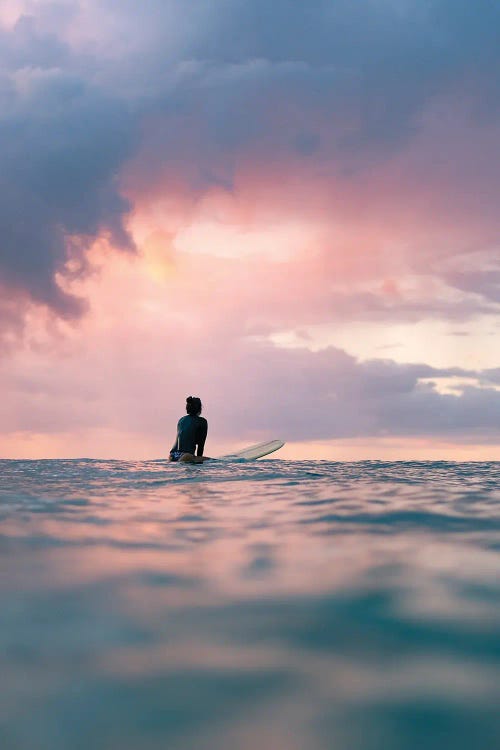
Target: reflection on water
[(275, 604)]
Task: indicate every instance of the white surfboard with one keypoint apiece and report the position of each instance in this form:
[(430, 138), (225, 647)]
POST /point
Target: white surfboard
[(255, 451)]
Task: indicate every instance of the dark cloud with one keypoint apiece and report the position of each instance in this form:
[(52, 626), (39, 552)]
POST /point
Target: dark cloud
[(485, 283), (249, 392), (491, 376), (379, 62), (26, 47), (330, 395), (336, 83), (63, 141), (344, 84), (472, 412)]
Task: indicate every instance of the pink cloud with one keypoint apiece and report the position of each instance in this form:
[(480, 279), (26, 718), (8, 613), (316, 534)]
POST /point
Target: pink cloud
[(291, 186), (149, 341)]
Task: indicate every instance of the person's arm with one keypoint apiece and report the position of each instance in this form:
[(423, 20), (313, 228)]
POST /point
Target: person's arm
[(202, 436), (174, 447)]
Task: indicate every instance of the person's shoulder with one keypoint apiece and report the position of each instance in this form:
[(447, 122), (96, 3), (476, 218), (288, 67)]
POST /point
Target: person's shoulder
[(202, 419)]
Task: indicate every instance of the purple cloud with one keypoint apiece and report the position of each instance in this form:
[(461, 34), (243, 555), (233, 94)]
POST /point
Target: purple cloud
[(342, 87)]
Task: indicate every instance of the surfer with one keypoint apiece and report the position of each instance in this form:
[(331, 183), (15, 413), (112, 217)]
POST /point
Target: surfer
[(191, 434)]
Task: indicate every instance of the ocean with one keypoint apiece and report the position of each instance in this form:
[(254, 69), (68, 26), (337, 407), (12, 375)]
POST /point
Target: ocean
[(295, 605)]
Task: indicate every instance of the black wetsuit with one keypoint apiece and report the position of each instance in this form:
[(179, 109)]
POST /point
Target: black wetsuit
[(191, 432)]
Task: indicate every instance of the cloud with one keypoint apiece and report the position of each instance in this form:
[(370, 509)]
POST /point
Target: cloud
[(326, 92), (251, 391), (274, 167), (491, 376), (63, 141), (158, 331), (484, 283)]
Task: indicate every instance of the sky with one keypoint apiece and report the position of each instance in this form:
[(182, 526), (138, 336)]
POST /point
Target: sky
[(288, 209)]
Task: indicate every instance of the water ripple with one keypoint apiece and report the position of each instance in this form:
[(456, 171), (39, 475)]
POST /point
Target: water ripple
[(287, 604)]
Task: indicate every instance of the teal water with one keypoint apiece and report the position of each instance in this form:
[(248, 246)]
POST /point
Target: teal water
[(274, 604)]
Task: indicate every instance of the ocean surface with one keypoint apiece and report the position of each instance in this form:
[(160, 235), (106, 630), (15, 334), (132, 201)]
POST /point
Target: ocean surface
[(242, 606)]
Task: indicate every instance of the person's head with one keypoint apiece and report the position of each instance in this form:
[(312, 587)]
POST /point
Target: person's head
[(193, 405)]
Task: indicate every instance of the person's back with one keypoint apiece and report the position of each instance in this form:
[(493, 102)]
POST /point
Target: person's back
[(191, 434)]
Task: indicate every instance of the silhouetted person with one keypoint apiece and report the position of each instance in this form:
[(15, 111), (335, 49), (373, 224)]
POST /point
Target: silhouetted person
[(191, 434)]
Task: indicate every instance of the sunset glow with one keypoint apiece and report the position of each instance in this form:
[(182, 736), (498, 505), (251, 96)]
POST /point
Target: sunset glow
[(286, 229)]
